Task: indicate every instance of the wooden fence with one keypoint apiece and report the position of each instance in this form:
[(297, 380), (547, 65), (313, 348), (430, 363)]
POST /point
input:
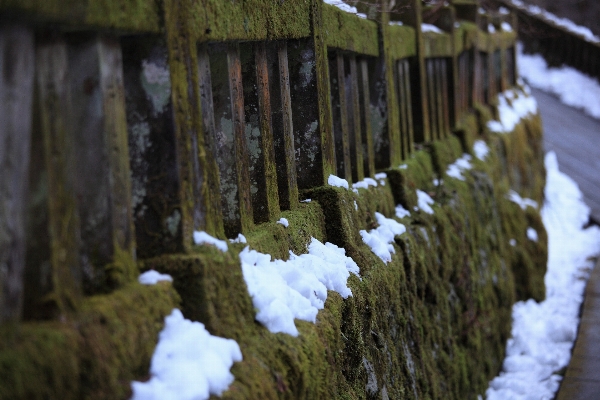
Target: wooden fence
[(125, 128)]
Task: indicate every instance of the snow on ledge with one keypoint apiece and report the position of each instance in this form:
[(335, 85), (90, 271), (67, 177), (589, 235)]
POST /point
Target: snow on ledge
[(345, 7), (201, 237), (430, 28), (284, 222), (282, 291), (481, 149), (424, 202), (337, 181), (456, 169), (513, 105), (381, 238), (522, 202), (188, 363), (152, 277)]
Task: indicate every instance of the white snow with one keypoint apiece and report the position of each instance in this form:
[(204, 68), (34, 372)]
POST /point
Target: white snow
[(430, 28), (523, 202), (424, 201), (512, 242), (513, 105), (337, 182), (284, 290), (398, 23), (152, 277), (491, 28), (456, 169), (188, 363), (201, 237), (364, 184), (572, 87), (355, 205), (284, 222), (481, 149), (381, 238), (532, 234), (543, 333), (403, 166), (306, 201), (401, 212), (506, 27), (345, 7), (239, 239), (569, 25)]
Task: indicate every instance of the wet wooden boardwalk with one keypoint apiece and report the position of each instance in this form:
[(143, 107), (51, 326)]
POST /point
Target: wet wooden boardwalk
[(575, 138)]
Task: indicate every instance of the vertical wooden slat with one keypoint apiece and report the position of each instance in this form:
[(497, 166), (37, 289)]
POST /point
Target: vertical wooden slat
[(16, 92), (239, 136), (155, 182), (440, 97), (197, 170), (266, 132), (358, 172), (53, 275), (366, 128), (290, 180), (431, 97), (447, 98), (103, 176), (409, 110), (342, 137), (402, 99)]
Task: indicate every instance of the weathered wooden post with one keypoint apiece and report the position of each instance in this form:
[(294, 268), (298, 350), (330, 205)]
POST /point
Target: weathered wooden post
[(155, 181), (53, 278), (340, 114), (102, 176), (17, 66)]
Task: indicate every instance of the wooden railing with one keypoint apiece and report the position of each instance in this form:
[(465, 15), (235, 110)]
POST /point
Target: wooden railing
[(558, 45), (124, 129)]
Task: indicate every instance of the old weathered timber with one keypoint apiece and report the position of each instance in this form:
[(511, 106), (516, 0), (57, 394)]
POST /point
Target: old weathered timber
[(17, 67)]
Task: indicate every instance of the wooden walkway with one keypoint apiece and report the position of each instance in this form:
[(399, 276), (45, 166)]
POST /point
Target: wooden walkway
[(575, 138)]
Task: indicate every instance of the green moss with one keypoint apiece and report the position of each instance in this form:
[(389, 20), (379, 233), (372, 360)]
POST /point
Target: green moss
[(349, 32), (401, 41), (96, 355)]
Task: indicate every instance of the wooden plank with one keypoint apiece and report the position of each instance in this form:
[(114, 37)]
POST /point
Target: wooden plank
[(240, 145), (354, 111), (200, 206), (409, 110), (402, 99), (266, 154), (447, 95), (288, 185), (366, 127), (102, 177), (440, 97), (342, 136), (17, 65), (432, 100), (155, 182), (53, 285)]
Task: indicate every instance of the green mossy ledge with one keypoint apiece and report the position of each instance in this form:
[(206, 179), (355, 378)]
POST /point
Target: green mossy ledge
[(431, 324)]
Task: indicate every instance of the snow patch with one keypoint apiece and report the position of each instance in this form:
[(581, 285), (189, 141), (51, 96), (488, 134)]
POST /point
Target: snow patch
[(201, 237), (239, 239), (543, 333), (364, 184), (152, 277), (513, 106), (282, 291), (481, 149), (522, 202), (337, 182), (574, 88), (381, 238), (424, 201), (456, 169), (532, 234), (430, 28), (284, 222), (188, 363), (402, 212)]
